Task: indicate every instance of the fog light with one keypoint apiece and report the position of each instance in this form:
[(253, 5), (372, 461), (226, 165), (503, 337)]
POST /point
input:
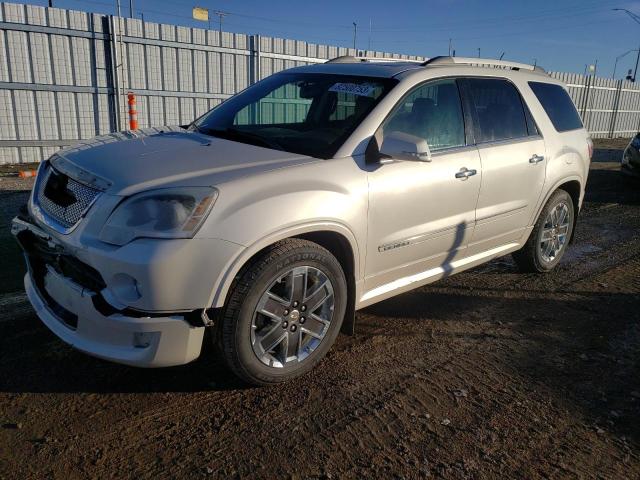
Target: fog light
[(125, 288), (143, 339)]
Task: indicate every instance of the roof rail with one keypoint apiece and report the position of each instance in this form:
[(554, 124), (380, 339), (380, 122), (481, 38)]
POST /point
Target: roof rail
[(354, 59), (482, 62)]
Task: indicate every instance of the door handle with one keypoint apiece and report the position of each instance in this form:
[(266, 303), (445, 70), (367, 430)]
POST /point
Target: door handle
[(536, 158), (465, 173)]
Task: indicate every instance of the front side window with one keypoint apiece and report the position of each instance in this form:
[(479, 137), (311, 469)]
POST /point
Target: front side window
[(432, 111), (307, 113), (499, 110), (559, 107)]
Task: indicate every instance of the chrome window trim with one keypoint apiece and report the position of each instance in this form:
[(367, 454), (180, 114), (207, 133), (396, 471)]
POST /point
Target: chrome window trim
[(449, 150), (509, 141)]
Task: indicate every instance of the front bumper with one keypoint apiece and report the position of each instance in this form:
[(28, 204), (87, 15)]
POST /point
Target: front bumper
[(141, 342), (66, 295)]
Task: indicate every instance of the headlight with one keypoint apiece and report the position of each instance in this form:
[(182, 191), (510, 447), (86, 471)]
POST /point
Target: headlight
[(164, 213)]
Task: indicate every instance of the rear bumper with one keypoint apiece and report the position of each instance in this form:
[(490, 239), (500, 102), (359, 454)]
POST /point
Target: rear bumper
[(141, 342)]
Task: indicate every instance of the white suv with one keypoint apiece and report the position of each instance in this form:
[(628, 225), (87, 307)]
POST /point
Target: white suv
[(313, 193)]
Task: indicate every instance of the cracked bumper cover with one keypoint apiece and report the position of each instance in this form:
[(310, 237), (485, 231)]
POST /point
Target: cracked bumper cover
[(69, 294)]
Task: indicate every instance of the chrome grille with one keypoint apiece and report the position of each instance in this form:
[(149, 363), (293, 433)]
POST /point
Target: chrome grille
[(70, 215)]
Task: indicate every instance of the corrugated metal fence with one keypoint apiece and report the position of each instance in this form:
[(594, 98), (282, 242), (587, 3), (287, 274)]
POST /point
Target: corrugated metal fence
[(64, 76)]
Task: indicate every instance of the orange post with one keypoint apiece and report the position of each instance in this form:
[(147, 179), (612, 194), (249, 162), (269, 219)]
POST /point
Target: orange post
[(133, 113)]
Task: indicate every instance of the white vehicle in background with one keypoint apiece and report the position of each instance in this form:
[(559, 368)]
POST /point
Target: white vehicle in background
[(316, 192)]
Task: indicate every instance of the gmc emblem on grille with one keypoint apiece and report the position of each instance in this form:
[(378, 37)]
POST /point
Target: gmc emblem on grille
[(56, 190)]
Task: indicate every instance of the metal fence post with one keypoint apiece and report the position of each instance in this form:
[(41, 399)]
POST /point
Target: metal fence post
[(585, 100), (254, 72), (616, 107), (254, 53), (113, 73)]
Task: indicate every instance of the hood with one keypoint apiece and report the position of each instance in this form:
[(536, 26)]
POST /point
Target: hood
[(171, 156)]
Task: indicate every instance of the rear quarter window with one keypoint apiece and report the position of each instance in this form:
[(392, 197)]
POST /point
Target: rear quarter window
[(558, 104)]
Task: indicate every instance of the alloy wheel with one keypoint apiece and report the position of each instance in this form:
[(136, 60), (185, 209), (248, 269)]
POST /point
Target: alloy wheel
[(555, 232), (292, 317)]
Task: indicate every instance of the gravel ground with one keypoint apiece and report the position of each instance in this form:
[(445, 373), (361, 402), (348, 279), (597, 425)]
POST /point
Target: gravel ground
[(488, 374)]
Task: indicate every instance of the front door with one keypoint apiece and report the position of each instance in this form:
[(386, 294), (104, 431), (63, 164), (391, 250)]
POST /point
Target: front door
[(422, 214)]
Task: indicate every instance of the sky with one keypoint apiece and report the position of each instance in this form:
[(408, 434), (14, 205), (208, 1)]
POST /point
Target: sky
[(559, 35)]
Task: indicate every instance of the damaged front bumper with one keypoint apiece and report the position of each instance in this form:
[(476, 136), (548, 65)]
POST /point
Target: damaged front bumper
[(66, 295)]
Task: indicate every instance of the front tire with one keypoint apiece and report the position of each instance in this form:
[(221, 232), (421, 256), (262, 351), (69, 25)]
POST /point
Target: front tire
[(283, 312), (550, 236)]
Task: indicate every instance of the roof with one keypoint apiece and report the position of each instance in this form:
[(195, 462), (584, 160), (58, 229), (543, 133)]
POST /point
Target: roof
[(369, 69), (387, 68)]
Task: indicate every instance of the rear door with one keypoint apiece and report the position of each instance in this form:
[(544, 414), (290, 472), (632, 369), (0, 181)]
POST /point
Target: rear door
[(513, 162)]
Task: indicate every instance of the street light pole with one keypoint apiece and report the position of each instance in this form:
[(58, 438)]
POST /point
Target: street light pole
[(615, 64), (636, 18), (355, 34)]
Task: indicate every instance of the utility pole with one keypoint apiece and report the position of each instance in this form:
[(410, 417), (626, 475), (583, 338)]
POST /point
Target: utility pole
[(355, 34), (615, 64), (450, 47), (478, 52), (636, 18), (130, 8), (221, 15), (50, 3), (369, 42)]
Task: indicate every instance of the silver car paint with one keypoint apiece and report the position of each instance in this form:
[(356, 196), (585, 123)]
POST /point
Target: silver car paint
[(408, 223)]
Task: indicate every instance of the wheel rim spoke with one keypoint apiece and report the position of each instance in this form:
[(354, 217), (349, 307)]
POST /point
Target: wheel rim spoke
[(291, 346), (315, 326), (317, 298), (274, 306), (298, 279), (272, 338)]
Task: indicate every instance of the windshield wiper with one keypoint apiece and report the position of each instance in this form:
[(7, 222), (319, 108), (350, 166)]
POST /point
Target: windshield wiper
[(241, 136)]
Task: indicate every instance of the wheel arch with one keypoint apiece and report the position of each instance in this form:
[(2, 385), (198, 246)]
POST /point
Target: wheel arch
[(574, 187), (336, 238)]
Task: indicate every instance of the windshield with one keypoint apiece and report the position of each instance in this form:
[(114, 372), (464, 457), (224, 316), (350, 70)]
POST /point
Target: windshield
[(307, 113)]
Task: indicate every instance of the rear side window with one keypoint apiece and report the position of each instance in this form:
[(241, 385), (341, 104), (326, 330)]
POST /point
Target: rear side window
[(558, 104), (499, 110)]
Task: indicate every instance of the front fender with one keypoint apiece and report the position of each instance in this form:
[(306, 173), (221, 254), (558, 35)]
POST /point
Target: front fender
[(223, 282), (259, 210)]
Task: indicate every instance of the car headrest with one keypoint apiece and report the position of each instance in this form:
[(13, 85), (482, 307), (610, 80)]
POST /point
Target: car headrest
[(422, 105)]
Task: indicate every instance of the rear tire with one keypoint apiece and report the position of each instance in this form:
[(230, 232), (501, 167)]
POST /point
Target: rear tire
[(283, 312), (550, 235)]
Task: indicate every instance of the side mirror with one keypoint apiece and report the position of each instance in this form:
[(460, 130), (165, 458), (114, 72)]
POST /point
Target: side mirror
[(404, 146)]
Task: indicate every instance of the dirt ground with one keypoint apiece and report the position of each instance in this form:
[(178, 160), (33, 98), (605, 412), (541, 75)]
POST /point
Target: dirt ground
[(488, 374)]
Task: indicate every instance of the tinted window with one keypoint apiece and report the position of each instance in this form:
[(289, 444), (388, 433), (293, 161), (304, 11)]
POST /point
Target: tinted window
[(559, 107), (433, 112), (499, 110)]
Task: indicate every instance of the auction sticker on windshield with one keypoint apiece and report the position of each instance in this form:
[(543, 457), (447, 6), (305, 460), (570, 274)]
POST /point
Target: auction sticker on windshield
[(360, 89)]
